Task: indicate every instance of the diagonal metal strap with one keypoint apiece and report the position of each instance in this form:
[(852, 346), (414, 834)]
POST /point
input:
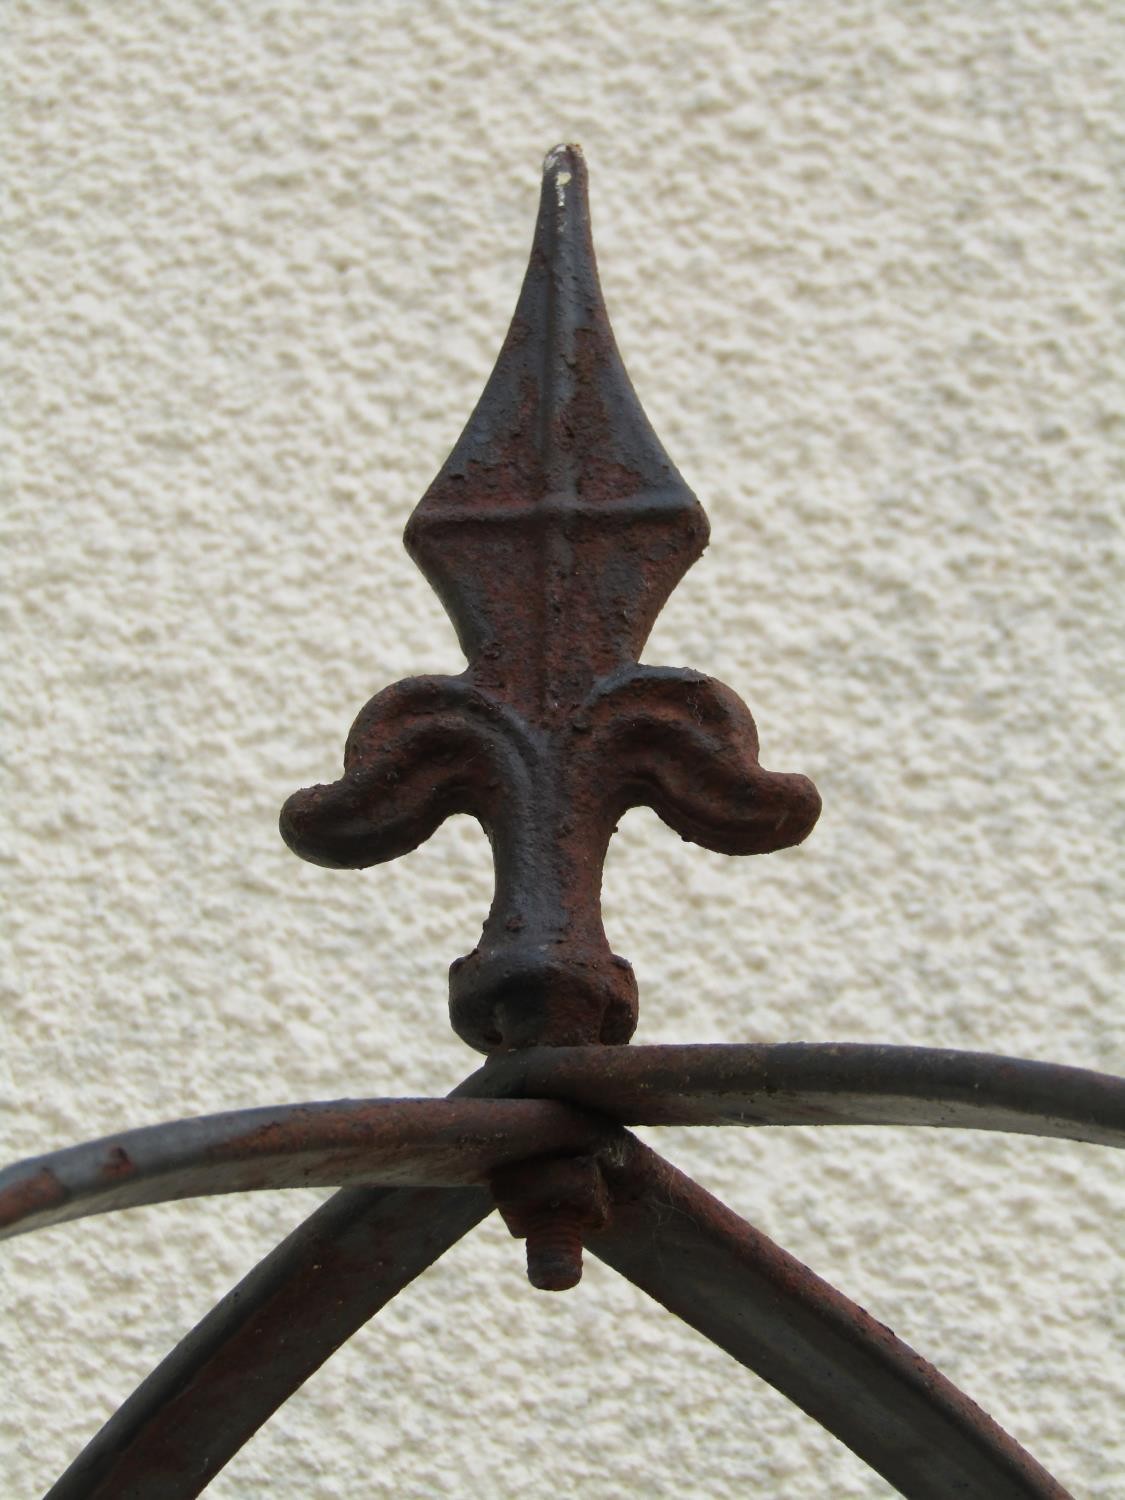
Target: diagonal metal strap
[(824, 1083), (391, 1142), (265, 1338), (713, 1270)]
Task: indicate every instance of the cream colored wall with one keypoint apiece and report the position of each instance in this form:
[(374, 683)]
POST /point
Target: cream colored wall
[(863, 261)]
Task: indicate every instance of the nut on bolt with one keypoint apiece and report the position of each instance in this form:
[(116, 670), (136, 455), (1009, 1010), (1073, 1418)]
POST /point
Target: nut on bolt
[(551, 1202)]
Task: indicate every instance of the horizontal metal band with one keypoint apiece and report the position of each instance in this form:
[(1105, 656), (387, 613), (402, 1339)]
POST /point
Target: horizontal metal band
[(819, 1083), (393, 1142)]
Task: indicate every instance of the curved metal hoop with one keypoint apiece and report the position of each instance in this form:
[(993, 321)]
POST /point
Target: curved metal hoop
[(391, 1142), (456, 1142), (821, 1083), (666, 1234)]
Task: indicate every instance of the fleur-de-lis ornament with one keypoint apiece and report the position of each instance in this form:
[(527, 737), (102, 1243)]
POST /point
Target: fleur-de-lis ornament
[(553, 535)]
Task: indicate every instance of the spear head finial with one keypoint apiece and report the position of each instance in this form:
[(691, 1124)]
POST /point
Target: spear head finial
[(555, 531), (558, 526)]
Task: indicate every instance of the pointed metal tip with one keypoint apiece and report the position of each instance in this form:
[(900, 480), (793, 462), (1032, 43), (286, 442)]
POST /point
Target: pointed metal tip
[(557, 437), (562, 158), (564, 176)]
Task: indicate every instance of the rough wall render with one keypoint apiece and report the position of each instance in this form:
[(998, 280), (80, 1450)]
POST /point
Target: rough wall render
[(863, 260)]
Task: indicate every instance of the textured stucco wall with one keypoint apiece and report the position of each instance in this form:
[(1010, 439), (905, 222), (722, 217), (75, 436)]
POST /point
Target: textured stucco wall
[(861, 260)]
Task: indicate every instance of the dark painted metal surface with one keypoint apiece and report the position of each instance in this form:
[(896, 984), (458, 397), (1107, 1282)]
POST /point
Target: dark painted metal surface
[(249, 1329), (553, 534), (810, 1342), (448, 1142), (392, 1142), (265, 1338), (825, 1083)]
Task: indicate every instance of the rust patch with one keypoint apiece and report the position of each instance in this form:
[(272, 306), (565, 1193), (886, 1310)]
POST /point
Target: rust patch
[(32, 1195), (118, 1165)]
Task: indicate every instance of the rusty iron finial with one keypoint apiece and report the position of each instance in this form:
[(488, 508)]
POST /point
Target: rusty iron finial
[(553, 535)]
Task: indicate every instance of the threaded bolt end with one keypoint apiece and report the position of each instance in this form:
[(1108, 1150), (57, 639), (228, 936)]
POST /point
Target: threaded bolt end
[(554, 1250)]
